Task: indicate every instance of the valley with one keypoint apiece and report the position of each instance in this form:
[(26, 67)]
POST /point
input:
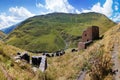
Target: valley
[(53, 32)]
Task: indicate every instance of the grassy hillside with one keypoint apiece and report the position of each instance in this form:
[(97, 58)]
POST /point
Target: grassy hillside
[(53, 31), (59, 67), (12, 70), (100, 51), (8, 67), (2, 35)]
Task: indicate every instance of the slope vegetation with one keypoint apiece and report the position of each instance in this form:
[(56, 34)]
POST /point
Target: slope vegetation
[(2, 35), (71, 63), (9, 70), (101, 52), (12, 70), (53, 31)]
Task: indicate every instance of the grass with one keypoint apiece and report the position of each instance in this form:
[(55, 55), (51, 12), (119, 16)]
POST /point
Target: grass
[(66, 67), (2, 77), (111, 37), (100, 65), (49, 32), (2, 35), (7, 53), (68, 63), (73, 63), (22, 71)]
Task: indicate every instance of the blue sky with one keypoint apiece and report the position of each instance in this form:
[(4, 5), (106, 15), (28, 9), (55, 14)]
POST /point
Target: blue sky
[(15, 11)]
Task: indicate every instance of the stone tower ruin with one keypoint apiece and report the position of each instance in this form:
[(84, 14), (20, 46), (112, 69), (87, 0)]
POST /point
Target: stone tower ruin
[(90, 34)]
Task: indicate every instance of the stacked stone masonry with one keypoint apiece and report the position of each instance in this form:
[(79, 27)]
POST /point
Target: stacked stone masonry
[(90, 34)]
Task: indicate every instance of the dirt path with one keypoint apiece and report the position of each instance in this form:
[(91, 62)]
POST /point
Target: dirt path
[(5, 73), (116, 62), (82, 75)]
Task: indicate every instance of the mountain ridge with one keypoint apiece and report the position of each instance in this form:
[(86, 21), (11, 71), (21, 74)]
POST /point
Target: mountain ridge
[(50, 32)]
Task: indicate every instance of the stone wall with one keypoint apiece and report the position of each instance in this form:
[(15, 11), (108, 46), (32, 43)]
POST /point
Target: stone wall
[(40, 62), (36, 61), (90, 34)]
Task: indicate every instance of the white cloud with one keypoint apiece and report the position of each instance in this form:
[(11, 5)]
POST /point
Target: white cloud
[(86, 11), (116, 17), (97, 7), (116, 3), (5, 20), (105, 9), (58, 6), (116, 7), (39, 5), (15, 15), (20, 12)]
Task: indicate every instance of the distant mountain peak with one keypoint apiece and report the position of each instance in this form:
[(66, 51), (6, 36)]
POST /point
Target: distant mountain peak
[(9, 29)]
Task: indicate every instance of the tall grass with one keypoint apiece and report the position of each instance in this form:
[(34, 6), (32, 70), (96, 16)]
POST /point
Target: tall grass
[(2, 76), (101, 65)]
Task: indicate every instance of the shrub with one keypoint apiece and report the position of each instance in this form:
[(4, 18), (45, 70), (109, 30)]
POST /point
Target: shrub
[(1, 50), (101, 65), (43, 76)]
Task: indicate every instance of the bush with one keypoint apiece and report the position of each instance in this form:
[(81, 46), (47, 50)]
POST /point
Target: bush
[(1, 50), (44, 76), (101, 65)]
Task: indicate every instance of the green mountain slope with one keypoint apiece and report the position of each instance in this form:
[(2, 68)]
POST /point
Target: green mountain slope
[(2, 35), (9, 70), (52, 32)]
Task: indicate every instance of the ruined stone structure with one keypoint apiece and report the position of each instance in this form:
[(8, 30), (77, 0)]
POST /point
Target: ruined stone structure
[(43, 64), (83, 45), (25, 57), (57, 53), (40, 62), (90, 34), (74, 50), (37, 61)]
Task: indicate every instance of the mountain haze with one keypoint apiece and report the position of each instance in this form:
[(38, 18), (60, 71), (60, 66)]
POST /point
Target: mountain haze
[(9, 29), (2, 35), (54, 31)]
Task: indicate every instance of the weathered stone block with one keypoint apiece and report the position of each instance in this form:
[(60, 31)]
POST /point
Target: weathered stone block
[(26, 57), (43, 64), (91, 33)]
